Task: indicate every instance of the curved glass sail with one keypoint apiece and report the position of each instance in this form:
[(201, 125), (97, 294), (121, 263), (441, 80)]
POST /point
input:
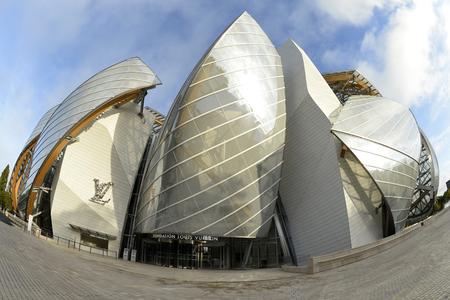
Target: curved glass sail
[(23, 163), (216, 167), (40, 125), (385, 138), (129, 75)]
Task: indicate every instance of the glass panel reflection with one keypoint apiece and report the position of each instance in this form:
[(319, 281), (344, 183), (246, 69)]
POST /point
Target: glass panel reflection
[(226, 129)]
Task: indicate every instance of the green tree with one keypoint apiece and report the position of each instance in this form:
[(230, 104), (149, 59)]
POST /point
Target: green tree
[(5, 196), (441, 201), (5, 200), (4, 178), (438, 205)]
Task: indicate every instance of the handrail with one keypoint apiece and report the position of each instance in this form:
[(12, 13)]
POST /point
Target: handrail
[(72, 244)]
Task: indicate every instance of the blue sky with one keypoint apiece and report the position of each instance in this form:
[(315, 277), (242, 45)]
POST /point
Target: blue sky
[(49, 47)]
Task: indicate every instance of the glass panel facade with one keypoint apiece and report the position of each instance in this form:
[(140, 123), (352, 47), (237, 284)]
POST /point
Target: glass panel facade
[(217, 164), (37, 130), (385, 138), (381, 120), (109, 83)]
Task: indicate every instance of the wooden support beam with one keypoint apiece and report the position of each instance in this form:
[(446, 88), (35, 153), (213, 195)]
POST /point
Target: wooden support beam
[(74, 132)]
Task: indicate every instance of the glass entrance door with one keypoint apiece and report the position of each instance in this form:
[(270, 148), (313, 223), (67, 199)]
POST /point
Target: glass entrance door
[(150, 252), (213, 256), (168, 253), (185, 254)]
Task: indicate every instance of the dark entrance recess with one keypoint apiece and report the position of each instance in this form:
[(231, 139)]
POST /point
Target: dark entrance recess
[(93, 241), (183, 254), (388, 220), (43, 205), (221, 253)]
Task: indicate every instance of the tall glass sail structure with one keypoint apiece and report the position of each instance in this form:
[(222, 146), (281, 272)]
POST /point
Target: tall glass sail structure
[(120, 83), (385, 138), (216, 166), (23, 163)]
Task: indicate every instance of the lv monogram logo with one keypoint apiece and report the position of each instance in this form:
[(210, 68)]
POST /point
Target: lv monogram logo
[(100, 191)]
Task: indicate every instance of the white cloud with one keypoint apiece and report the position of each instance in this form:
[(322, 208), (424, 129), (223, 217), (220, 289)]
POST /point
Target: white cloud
[(14, 131), (404, 47), (35, 36), (408, 60), (334, 57), (355, 12), (369, 42), (55, 45)]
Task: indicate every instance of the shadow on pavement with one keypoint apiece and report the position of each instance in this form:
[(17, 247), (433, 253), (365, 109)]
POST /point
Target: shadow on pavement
[(4, 219)]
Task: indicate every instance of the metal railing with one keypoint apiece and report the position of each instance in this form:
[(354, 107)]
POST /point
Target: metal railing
[(18, 222), (71, 244)]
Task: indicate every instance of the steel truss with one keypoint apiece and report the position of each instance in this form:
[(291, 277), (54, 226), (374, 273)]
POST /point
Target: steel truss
[(424, 196), (350, 83)]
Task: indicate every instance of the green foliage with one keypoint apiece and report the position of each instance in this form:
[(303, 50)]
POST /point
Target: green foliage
[(441, 201), (446, 196), (5, 200), (5, 196), (438, 204), (4, 178)]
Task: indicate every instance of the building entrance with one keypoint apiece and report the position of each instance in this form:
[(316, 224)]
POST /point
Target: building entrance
[(185, 251), (184, 254)]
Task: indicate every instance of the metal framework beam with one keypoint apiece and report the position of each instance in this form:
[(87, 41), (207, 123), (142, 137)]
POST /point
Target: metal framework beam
[(348, 83), (423, 197), (19, 170), (74, 132)]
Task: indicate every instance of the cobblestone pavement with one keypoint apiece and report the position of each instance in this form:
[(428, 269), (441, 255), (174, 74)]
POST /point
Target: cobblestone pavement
[(418, 268)]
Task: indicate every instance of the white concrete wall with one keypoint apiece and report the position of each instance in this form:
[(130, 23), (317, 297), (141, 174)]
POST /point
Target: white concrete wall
[(311, 188), (330, 201), (109, 150)]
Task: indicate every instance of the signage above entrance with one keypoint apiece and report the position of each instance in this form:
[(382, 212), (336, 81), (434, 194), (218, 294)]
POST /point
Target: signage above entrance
[(187, 237)]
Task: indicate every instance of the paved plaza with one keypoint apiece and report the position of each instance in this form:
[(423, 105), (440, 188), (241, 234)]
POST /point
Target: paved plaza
[(418, 268)]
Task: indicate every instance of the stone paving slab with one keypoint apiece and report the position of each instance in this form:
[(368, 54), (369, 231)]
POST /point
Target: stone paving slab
[(30, 268)]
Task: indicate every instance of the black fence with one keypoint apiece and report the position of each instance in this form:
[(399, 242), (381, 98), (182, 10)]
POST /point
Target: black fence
[(71, 244)]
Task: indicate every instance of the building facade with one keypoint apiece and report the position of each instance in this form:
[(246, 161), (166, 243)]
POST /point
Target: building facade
[(107, 154), (261, 160)]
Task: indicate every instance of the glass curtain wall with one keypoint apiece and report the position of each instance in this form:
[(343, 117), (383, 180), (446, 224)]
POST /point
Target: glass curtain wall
[(217, 164)]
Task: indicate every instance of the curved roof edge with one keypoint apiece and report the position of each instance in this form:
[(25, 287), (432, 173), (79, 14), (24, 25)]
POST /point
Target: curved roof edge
[(15, 179), (41, 124), (53, 136), (169, 120), (380, 120), (306, 80)]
